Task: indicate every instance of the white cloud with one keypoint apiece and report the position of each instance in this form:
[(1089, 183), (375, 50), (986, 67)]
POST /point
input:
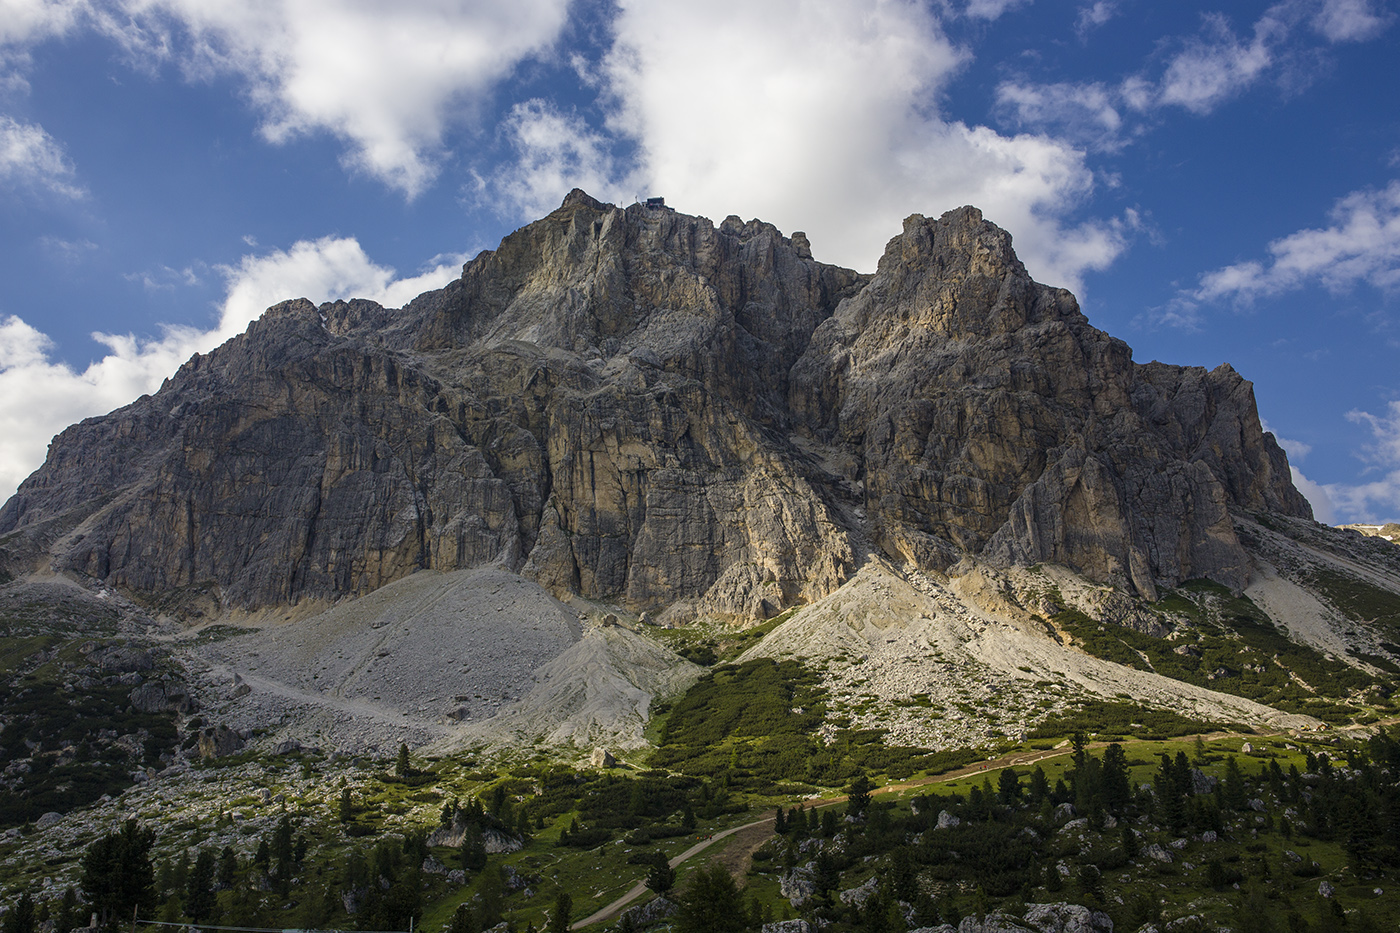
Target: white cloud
[(1348, 20), (165, 278), (1318, 496), (25, 22), (820, 118), (40, 395), (1361, 244), (1217, 65), (1094, 15), (1198, 73), (387, 79), (1296, 450), (1086, 114), (32, 159), (555, 153), (1379, 499), (992, 9)]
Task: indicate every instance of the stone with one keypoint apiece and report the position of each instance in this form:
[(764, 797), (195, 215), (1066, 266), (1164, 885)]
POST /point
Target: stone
[(127, 659), (218, 741), (1202, 783), (48, 819), (602, 758), (947, 820), (161, 698), (787, 926), (1157, 853), (1325, 889), (653, 911), (1067, 918), (798, 885), (858, 895)]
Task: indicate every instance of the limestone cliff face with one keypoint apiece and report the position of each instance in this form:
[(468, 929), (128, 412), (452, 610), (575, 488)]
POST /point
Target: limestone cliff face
[(643, 406)]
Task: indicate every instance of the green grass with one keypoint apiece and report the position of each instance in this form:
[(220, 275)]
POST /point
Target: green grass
[(1230, 645), (1362, 601)]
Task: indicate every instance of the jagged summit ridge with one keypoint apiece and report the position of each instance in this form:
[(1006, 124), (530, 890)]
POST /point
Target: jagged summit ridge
[(640, 405)]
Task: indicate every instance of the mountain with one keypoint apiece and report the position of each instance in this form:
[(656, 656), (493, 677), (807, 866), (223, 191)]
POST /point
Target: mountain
[(639, 406), (349, 600)]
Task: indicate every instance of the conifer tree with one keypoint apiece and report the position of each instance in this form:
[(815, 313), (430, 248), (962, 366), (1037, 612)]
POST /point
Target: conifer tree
[(118, 879), (228, 867), (22, 919), (711, 904), (559, 916), (199, 900)]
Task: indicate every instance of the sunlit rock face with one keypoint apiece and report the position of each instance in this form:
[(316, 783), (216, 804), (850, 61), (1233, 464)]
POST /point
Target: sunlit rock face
[(646, 407)]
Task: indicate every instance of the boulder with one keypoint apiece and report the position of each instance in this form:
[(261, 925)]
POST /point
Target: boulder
[(161, 698), (218, 741)]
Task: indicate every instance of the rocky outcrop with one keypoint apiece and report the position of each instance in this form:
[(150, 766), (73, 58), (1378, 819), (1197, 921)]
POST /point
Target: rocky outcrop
[(643, 406), (218, 741)]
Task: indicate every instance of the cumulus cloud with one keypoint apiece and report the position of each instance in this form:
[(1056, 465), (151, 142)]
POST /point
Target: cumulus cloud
[(817, 116), (25, 22), (31, 159), (555, 152), (40, 395), (1318, 496), (387, 79), (1360, 245)]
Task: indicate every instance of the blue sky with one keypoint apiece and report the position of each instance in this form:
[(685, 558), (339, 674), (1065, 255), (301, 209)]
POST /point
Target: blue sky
[(1217, 182)]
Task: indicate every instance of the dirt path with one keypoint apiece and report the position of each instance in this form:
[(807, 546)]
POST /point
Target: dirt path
[(636, 891), (343, 706)]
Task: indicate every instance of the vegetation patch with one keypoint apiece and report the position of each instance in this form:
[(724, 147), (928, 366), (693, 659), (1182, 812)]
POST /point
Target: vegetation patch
[(1228, 644)]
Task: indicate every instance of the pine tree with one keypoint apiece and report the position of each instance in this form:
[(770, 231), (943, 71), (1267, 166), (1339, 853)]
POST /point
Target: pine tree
[(118, 879), (1009, 786), (858, 796), (1114, 778), (711, 904), (559, 917), (1040, 787), (228, 867), (22, 919), (474, 850), (67, 917), (401, 767), (199, 899), (661, 877)]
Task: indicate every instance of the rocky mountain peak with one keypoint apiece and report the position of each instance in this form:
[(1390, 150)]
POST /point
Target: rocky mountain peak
[(638, 405)]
